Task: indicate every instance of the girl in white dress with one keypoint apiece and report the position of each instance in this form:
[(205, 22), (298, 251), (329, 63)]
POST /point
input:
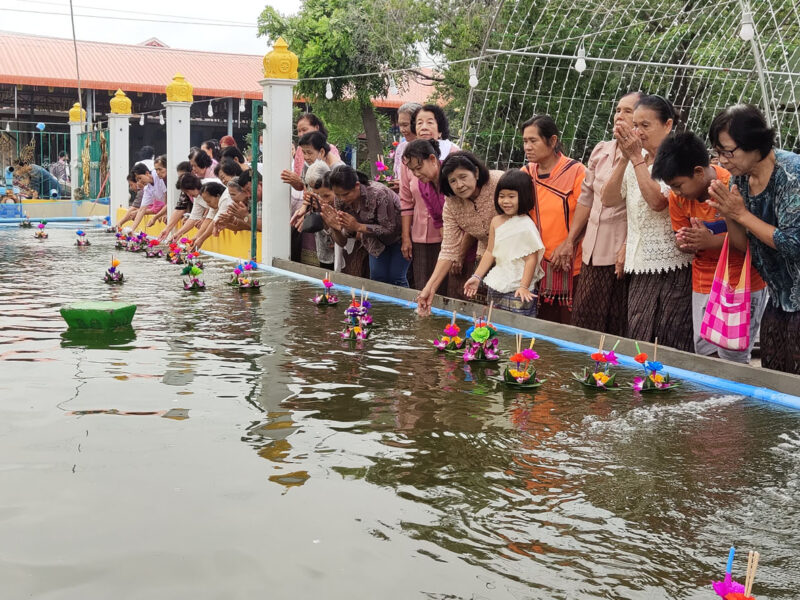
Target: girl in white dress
[(514, 246)]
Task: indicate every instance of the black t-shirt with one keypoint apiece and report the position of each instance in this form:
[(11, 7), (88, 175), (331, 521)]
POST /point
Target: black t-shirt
[(184, 202)]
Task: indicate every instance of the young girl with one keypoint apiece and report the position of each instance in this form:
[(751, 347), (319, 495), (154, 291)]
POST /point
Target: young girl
[(515, 246)]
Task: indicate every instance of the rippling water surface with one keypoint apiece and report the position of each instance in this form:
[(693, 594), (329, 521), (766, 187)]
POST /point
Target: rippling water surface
[(235, 447)]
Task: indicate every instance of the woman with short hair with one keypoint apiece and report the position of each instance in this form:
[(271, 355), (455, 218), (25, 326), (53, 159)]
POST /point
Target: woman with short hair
[(422, 229), (468, 211), (371, 211), (762, 209)]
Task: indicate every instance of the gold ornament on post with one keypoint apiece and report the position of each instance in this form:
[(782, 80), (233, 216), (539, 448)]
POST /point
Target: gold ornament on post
[(280, 63), (120, 104), (77, 114), (179, 90)]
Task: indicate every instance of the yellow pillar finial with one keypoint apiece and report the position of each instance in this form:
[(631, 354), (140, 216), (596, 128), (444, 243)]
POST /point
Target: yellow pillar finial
[(179, 90), (280, 63), (120, 104), (77, 114)]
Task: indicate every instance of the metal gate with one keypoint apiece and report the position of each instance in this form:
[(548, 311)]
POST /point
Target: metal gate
[(93, 161)]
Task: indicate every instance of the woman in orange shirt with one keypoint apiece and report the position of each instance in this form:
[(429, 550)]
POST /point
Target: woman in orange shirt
[(557, 183)]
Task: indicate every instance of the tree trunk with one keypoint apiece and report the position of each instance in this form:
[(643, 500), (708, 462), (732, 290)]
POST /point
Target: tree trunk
[(370, 122)]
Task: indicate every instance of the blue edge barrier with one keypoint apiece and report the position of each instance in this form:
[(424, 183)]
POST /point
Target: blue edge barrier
[(727, 385)]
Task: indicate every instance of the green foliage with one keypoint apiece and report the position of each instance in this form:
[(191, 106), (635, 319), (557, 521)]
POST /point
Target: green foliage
[(513, 88)]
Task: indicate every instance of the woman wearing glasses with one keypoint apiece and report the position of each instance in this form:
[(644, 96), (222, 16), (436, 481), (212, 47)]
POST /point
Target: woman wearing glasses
[(660, 289), (762, 208)]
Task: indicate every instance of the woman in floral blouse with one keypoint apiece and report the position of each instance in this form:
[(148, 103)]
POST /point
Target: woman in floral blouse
[(762, 208)]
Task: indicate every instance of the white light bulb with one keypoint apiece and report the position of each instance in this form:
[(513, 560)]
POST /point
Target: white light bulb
[(748, 31), (580, 64), (473, 76), (241, 105), (393, 91), (161, 118), (141, 120), (8, 126), (328, 90), (210, 109)]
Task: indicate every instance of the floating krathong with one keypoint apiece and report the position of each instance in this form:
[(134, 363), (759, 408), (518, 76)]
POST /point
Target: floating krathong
[(359, 322), (112, 275), (600, 377), (326, 298), (40, 233), (82, 241), (481, 340), (152, 249), (520, 371), (137, 243), (728, 585), (450, 341), (175, 254), (242, 277), (731, 590), (122, 241), (655, 378), (26, 224), (194, 283)]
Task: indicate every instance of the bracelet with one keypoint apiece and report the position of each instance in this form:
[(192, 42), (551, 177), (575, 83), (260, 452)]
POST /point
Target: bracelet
[(476, 276), (639, 163)]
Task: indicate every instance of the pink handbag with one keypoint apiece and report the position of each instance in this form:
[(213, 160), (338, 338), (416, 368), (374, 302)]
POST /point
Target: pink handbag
[(726, 322)]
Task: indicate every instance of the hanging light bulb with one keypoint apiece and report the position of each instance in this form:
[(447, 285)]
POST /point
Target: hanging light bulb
[(161, 118), (328, 90), (210, 109), (748, 30), (8, 126), (241, 105), (473, 76), (141, 120), (580, 64), (393, 91)]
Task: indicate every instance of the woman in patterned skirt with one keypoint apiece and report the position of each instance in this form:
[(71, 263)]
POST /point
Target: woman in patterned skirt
[(660, 291)]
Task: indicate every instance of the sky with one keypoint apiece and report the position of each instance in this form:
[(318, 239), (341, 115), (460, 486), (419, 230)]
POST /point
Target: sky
[(186, 24)]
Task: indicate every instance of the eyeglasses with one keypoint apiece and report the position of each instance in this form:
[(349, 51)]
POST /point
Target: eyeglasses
[(726, 153)]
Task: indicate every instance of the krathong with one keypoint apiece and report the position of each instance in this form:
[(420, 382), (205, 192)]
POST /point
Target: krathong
[(655, 378), (520, 371), (113, 275), (243, 279), (450, 341), (40, 233), (600, 376), (359, 322), (194, 283), (326, 298), (481, 341), (81, 241)]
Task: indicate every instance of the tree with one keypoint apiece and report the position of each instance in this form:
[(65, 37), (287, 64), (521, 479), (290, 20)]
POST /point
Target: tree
[(342, 38)]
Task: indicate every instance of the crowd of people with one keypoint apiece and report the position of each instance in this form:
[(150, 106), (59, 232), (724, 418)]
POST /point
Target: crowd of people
[(627, 244)]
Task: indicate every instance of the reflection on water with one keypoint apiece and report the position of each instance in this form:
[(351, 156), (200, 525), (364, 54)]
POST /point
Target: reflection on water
[(388, 464)]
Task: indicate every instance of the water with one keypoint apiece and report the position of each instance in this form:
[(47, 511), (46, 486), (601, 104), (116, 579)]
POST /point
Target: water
[(273, 459)]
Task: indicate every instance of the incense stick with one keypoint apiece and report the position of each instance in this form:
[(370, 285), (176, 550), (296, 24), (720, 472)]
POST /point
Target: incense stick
[(489, 316), (615, 346), (655, 351), (533, 339), (752, 565), (453, 318), (602, 341)]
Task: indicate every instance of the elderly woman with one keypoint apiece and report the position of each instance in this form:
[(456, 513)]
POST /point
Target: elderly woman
[(372, 211), (660, 290), (557, 183), (468, 210), (404, 116), (762, 208), (422, 233)]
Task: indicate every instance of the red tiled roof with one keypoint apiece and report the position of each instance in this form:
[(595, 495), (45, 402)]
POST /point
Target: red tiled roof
[(46, 61)]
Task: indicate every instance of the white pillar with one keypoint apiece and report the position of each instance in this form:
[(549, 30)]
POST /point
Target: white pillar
[(178, 144), (275, 152), (178, 105), (118, 131), (77, 123)]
